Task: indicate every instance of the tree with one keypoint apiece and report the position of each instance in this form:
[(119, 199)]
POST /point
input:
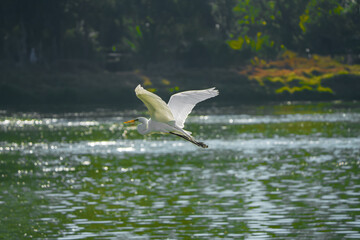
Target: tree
[(321, 26), (331, 26)]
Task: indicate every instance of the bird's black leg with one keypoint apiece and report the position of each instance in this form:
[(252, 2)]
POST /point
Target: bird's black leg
[(200, 144)]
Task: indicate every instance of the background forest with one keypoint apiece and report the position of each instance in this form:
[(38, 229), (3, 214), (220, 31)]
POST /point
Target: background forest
[(145, 35)]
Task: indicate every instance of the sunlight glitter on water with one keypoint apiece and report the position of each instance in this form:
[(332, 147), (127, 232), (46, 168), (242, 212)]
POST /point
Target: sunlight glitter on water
[(251, 119), (88, 177), (183, 147), (204, 119), (47, 121)]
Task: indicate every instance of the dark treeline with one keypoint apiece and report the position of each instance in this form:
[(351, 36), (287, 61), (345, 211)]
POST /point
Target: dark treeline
[(128, 34)]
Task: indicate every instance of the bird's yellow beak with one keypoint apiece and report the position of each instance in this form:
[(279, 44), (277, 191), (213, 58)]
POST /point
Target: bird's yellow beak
[(130, 121)]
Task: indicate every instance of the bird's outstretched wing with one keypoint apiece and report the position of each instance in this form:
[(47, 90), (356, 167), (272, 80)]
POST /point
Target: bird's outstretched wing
[(182, 103), (158, 109)]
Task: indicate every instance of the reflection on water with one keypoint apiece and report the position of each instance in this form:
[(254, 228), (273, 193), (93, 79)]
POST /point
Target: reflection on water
[(266, 174)]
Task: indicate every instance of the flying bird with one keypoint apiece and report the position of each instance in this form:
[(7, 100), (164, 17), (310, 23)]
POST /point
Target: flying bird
[(170, 118)]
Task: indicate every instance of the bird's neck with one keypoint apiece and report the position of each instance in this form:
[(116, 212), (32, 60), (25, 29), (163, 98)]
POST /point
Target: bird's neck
[(143, 128)]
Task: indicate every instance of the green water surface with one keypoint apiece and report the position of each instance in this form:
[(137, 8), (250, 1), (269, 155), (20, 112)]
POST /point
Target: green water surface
[(284, 171)]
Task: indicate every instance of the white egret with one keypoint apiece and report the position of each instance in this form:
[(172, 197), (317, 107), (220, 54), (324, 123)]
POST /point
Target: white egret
[(170, 118)]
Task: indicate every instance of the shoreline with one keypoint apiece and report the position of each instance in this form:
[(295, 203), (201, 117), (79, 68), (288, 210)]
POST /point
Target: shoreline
[(85, 87)]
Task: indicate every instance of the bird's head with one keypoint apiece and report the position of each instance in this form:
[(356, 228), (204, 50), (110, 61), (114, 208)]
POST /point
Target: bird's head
[(142, 128)]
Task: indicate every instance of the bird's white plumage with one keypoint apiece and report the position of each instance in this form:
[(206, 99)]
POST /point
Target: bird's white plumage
[(181, 104), (158, 109), (170, 118)]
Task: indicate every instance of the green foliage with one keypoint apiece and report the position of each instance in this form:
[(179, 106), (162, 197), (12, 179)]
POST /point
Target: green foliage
[(303, 19), (254, 20), (317, 10), (145, 31), (324, 27), (331, 27), (126, 35)]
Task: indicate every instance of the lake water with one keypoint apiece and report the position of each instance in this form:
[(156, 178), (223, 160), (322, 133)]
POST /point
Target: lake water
[(284, 171)]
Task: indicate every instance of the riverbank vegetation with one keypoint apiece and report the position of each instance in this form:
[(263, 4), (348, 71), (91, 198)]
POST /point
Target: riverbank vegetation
[(292, 73), (97, 51)]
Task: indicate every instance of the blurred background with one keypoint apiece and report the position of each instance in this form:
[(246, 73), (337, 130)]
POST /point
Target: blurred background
[(284, 134), (94, 52)]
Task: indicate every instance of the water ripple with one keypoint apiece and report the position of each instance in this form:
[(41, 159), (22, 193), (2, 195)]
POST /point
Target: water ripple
[(79, 176), (165, 146), (254, 119)]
